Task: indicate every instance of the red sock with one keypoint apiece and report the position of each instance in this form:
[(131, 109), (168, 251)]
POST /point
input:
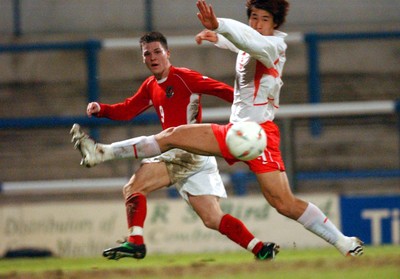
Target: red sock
[(136, 210), (236, 231)]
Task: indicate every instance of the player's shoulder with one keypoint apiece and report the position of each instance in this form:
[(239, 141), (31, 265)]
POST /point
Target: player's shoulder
[(149, 80), (147, 85), (184, 71)]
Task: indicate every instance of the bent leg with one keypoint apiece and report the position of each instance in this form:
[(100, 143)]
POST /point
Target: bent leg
[(148, 178), (209, 211)]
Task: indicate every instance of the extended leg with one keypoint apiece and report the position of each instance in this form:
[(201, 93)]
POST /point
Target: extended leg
[(276, 190), (209, 210), (94, 153), (197, 138)]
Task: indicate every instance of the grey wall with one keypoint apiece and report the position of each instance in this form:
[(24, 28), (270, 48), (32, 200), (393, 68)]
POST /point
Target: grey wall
[(87, 18), (94, 16)]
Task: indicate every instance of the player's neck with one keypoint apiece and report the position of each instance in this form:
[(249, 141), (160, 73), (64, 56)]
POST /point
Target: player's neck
[(163, 75)]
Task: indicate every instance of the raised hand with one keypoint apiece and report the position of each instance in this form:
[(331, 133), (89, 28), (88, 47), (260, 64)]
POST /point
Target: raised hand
[(206, 15)]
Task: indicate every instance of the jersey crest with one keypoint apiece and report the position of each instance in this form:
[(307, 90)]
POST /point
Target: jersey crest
[(169, 92)]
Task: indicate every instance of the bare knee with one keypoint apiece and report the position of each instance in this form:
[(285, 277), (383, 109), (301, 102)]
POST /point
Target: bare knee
[(291, 208), (129, 189), (282, 208), (211, 217), (165, 139), (211, 222)]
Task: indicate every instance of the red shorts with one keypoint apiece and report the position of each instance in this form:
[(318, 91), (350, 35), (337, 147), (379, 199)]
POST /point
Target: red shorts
[(270, 160)]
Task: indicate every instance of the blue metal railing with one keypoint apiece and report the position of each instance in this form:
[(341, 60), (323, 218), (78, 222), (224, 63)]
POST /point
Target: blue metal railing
[(68, 121), (312, 41), (91, 47)]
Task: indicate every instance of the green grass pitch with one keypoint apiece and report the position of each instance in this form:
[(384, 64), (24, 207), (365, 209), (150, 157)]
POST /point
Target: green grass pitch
[(377, 262)]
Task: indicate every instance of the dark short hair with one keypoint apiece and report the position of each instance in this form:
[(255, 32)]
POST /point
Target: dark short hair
[(154, 36), (278, 8)]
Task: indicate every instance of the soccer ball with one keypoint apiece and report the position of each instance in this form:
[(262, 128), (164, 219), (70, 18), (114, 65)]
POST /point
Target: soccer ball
[(246, 140)]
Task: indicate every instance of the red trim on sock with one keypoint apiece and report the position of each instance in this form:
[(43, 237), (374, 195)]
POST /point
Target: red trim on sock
[(136, 211), (326, 220)]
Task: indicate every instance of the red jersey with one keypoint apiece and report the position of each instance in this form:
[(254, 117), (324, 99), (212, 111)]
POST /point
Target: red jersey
[(176, 99)]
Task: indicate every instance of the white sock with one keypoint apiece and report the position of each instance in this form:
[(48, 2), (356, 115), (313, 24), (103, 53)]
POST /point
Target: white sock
[(139, 147), (315, 221), (135, 230), (252, 244)]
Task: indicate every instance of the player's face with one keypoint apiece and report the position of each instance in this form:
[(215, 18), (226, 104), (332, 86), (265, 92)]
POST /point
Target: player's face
[(156, 58), (262, 21)]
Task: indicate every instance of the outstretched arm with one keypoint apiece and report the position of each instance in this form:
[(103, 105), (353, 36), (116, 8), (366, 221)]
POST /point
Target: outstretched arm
[(206, 15), (206, 35)]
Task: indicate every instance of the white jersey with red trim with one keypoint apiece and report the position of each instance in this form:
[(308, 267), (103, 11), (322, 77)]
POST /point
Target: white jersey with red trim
[(259, 68)]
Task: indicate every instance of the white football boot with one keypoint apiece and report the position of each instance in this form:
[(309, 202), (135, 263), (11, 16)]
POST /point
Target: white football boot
[(92, 152), (351, 247)]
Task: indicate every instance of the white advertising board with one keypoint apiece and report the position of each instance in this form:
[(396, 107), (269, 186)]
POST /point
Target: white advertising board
[(80, 229)]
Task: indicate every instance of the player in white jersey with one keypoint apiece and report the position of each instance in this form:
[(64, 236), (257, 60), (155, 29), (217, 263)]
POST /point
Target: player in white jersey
[(261, 56)]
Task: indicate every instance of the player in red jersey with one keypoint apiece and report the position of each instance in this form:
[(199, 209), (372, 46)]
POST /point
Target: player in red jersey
[(175, 93), (261, 56)]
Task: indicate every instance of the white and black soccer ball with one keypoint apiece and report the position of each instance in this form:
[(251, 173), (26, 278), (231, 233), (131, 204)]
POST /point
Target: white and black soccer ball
[(246, 140)]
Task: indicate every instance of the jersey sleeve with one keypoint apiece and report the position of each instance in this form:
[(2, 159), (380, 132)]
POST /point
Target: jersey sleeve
[(224, 43), (128, 109), (199, 84), (265, 49)]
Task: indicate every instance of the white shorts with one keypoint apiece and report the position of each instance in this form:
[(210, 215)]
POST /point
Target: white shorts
[(190, 173)]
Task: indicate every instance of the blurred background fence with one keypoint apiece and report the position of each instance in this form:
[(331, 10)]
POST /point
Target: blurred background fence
[(57, 56)]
